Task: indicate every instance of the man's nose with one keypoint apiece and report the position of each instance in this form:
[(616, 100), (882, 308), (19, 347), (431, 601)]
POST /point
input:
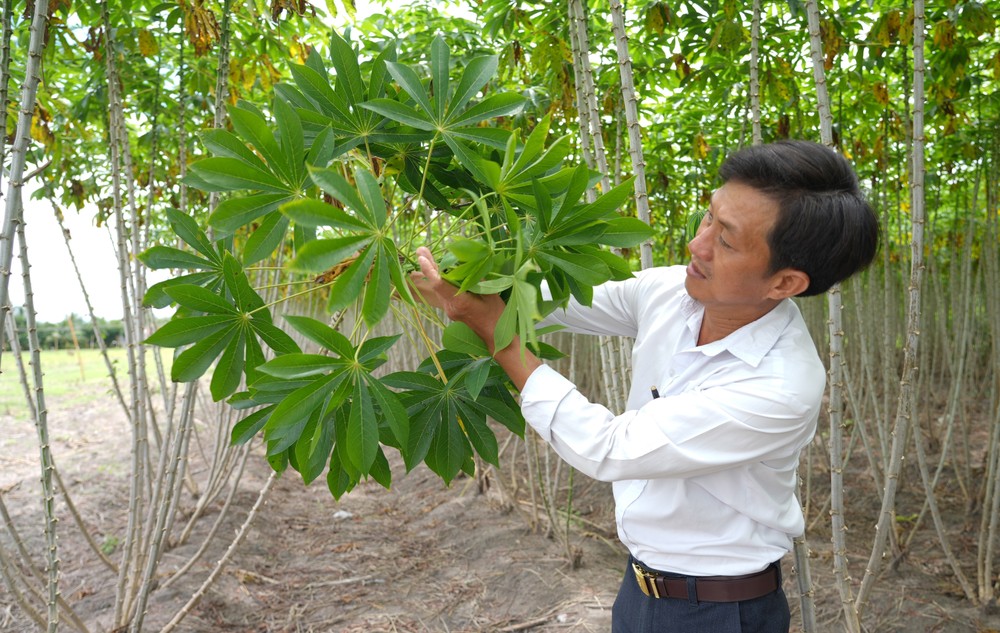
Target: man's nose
[(698, 246)]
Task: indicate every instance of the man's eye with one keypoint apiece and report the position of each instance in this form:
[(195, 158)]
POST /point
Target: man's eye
[(724, 243)]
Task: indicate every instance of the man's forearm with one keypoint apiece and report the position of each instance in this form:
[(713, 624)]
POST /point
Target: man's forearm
[(518, 363)]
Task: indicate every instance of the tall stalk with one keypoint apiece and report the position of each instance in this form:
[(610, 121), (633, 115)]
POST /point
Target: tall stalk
[(131, 551), (835, 408), (19, 151), (905, 403), (42, 428), (754, 73), (5, 34), (632, 122)]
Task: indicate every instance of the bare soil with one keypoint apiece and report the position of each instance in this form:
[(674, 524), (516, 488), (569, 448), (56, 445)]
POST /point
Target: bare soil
[(421, 557)]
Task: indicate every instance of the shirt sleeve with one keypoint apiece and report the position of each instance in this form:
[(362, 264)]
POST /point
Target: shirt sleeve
[(612, 311), (685, 435)]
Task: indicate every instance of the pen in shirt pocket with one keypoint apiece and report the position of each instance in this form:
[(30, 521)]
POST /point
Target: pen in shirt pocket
[(656, 393)]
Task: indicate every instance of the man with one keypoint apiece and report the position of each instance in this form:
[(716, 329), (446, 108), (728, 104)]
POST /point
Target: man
[(704, 464)]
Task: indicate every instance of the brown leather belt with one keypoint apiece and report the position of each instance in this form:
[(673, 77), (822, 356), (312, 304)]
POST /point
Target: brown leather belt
[(708, 588)]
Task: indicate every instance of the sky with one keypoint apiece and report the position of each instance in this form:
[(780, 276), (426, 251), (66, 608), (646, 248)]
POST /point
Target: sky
[(55, 288)]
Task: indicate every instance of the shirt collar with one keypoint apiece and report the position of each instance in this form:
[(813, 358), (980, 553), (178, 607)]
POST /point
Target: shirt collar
[(751, 342)]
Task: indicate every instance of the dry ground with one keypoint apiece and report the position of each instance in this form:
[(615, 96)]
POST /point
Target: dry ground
[(418, 558)]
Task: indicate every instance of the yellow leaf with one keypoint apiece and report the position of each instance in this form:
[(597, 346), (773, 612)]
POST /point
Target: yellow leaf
[(40, 131), (148, 46), (944, 34), (881, 92), (700, 149)]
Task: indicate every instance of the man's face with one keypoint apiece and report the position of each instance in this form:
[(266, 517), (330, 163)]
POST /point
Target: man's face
[(728, 272)]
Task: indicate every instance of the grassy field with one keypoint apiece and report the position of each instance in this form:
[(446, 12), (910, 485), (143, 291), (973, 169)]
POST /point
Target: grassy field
[(70, 377)]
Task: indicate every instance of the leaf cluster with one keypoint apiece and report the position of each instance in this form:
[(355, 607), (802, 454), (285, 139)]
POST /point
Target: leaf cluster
[(348, 173)]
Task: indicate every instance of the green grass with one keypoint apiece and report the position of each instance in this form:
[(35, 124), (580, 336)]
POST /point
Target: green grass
[(70, 377)]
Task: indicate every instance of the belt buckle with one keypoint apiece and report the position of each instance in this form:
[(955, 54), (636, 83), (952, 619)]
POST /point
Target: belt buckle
[(645, 580)]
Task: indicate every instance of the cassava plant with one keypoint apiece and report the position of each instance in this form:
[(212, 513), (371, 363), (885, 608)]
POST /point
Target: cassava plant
[(350, 175)]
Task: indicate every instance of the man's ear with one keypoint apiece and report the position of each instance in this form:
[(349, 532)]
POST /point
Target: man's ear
[(788, 282)]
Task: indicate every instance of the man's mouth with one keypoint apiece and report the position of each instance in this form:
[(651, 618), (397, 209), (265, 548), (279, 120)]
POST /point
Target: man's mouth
[(694, 271)]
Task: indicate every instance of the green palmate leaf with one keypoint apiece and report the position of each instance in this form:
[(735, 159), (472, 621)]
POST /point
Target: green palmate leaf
[(479, 433), (255, 356), (320, 255), (378, 291), (489, 136), (440, 62), (235, 213), (362, 429), (604, 207), (379, 79), (230, 174), (313, 449), (338, 480), (503, 409), (476, 375), (192, 179), (348, 286), (503, 104), (617, 266), (290, 416), (180, 332), (266, 238), (449, 448), (294, 97), (470, 160), (410, 82), (317, 89), (459, 337), (225, 143), (425, 418), (200, 299), (371, 353), (187, 229), (157, 297), (334, 184), (391, 410), (625, 232), (567, 234), (252, 127), (298, 365), (275, 338), (311, 212), (323, 148), (229, 369), (345, 62), (380, 470), (534, 145), (160, 257), (584, 268), (292, 145), (476, 74), (243, 294), (249, 426), (322, 335), (194, 361), (401, 113), (371, 195)]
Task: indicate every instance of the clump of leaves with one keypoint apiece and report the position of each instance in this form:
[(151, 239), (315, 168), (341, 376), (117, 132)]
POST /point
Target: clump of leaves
[(350, 174)]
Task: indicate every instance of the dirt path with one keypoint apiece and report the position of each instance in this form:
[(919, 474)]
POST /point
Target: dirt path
[(418, 558)]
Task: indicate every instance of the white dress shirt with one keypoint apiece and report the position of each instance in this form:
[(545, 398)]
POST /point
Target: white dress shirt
[(705, 475)]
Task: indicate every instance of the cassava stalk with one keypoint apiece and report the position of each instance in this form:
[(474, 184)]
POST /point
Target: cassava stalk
[(905, 403), (19, 151)]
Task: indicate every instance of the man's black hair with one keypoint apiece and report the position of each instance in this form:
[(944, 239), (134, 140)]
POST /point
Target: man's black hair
[(825, 226)]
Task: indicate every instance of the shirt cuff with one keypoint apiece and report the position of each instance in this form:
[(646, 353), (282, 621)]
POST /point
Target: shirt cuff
[(544, 390)]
